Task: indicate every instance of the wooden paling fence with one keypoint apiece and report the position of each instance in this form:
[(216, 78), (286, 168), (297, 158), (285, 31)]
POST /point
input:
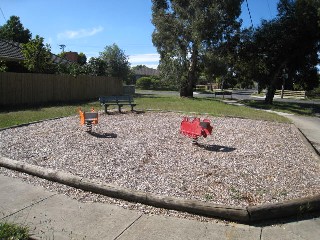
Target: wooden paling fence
[(33, 89), (291, 94)]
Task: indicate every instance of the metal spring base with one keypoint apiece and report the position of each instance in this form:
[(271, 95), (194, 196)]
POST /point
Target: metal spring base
[(195, 141), (89, 126)]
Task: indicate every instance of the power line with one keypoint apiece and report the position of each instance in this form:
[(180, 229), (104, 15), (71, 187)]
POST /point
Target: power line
[(269, 8), (249, 13), (3, 15)]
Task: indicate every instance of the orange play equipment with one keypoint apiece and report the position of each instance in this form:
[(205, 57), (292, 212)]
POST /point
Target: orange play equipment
[(88, 118)]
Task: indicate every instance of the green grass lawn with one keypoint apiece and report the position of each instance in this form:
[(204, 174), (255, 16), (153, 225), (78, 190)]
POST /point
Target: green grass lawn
[(144, 102), (307, 109), (203, 105), (13, 231), (15, 117)]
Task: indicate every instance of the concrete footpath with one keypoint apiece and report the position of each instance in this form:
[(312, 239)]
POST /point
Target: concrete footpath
[(55, 216), (310, 127)]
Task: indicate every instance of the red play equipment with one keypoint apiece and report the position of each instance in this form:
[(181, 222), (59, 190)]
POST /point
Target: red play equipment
[(195, 128), (88, 118)]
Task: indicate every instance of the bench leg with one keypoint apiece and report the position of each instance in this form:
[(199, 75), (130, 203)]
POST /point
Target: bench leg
[(132, 108), (105, 109), (119, 108)]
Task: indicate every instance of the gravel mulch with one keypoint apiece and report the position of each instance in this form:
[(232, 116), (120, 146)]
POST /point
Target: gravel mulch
[(244, 162)]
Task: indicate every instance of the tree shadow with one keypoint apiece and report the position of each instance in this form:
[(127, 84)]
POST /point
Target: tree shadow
[(147, 95), (116, 112), (216, 148), (294, 107), (103, 135), (139, 111)]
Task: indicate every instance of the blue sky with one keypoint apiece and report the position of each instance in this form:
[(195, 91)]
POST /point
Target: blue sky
[(89, 26)]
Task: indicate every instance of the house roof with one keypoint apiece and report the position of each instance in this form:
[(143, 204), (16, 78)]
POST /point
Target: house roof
[(11, 51), (145, 71), (56, 59)]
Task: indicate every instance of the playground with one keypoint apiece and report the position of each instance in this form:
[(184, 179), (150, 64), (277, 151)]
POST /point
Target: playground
[(243, 163)]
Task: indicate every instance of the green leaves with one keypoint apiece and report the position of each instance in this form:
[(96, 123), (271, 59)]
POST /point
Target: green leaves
[(13, 30), (185, 30), (37, 56), (117, 64)]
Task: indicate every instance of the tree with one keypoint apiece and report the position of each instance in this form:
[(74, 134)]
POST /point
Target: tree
[(245, 62), (117, 64), (13, 30), (97, 67), (290, 43), (37, 56), (185, 30), (82, 58)]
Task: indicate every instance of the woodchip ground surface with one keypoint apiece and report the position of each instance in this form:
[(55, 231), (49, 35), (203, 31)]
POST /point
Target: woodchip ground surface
[(244, 162)]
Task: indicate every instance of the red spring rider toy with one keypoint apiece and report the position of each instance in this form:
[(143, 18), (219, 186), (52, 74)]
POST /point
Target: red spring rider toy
[(195, 128)]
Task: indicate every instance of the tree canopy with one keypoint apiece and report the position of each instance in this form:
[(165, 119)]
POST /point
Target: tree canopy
[(97, 67), (13, 30), (284, 50), (185, 30), (37, 56), (117, 63)]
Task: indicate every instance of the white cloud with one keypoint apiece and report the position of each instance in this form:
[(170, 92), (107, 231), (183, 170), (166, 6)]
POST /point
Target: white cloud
[(144, 58), (71, 34), (154, 66)]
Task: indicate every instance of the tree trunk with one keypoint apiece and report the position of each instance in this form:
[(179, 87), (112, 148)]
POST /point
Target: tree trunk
[(186, 89), (270, 94), (272, 87)]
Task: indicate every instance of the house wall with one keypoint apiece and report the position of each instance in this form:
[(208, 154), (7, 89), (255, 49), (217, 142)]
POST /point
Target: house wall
[(34, 89)]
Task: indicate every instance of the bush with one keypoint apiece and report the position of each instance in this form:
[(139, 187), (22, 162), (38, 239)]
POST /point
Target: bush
[(144, 83), (315, 93), (154, 83)]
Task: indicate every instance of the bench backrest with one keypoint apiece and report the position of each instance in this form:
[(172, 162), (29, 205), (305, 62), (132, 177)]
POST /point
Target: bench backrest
[(116, 99)]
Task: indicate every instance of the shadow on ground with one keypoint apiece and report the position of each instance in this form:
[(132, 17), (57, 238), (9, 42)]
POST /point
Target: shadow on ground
[(308, 109), (216, 148), (302, 217), (103, 135)]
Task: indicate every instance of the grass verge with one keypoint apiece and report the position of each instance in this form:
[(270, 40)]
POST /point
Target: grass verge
[(13, 231), (306, 109), (20, 116), (173, 103), (203, 105)]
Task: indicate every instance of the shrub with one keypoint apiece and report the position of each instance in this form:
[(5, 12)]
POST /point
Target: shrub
[(315, 93), (154, 83), (144, 83)]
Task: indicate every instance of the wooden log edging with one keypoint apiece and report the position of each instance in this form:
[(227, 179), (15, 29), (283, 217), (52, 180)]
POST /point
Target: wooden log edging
[(296, 207), (238, 214)]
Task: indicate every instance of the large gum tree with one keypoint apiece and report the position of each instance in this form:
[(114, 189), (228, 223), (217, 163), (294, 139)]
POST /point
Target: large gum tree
[(185, 30)]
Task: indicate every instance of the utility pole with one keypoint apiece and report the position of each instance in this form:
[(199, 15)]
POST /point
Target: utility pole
[(62, 46), (284, 78)]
